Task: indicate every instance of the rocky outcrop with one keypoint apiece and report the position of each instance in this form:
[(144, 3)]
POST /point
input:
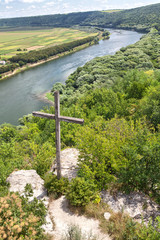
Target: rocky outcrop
[(69, 159), (137, 205), (18, 181)]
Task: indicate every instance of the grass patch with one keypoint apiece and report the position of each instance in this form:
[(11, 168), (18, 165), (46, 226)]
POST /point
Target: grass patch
[(95, 211), (75, 233), (50, 97), (119, 226), (113, 10), (12, 40)]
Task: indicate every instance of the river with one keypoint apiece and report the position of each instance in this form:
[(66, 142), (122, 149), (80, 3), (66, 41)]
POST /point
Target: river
[(20, 94)]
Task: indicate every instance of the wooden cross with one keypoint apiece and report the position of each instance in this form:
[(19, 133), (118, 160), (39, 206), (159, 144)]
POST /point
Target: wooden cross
[(58, 118)]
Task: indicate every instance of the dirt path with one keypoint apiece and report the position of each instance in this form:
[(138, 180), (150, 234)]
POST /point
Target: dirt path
[(59, 211), (63, 218)]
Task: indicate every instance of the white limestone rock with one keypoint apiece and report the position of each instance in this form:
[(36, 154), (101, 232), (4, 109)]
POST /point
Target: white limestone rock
[(136, 205), (18, 181), (107, 215), (69, 160)]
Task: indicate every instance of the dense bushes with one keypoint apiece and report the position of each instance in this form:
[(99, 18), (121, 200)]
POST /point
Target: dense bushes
[(20, 219), (78, 191), (121, 134), (55, 186), (150, 105), (23, 148), (8, 67), (118, 149)]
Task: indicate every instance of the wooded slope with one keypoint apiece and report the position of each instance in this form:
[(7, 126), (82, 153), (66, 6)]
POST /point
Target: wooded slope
[(141, 19)]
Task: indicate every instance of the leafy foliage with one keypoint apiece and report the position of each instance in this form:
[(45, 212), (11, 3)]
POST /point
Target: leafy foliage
[(21, 219), (55, 186), (80, 192)]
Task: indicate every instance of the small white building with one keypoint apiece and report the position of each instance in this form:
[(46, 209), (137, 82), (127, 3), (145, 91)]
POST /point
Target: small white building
[(2, 62)]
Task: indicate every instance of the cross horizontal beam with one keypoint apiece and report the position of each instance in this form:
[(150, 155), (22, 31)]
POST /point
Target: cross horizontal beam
[(61, 118)]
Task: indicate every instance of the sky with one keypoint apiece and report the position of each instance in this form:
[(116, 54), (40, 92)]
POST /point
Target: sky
[(21, 8)]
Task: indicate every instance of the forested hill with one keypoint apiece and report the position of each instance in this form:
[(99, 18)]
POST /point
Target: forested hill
[(142, 19), (57, 20)]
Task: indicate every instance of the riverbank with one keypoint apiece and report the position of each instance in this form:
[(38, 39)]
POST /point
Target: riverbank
[(28, 66), (46, 97), (19, 94)]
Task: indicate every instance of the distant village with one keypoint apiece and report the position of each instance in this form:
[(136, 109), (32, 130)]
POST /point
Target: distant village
[(2, 62)]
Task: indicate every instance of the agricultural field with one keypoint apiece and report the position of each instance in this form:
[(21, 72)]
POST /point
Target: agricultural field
[(29, 40), (113, 10)]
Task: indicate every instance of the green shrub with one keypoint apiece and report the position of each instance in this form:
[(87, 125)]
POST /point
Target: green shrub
[(150, 105), (7, 132), (58, 87), (80, 192), (43, 158), (55, 186), (20, 219), (150, 232), (142, 155)]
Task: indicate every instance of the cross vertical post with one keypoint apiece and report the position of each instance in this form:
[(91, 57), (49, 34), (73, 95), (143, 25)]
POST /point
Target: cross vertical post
[(58, 140), (57, 119)]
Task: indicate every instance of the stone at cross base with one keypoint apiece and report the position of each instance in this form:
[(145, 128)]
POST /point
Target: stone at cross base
[(69, 167)]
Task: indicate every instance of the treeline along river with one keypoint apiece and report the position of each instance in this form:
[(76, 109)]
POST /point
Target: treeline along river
[(21, 94)]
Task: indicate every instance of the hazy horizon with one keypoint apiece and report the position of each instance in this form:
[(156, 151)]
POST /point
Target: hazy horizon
[(24, 8)]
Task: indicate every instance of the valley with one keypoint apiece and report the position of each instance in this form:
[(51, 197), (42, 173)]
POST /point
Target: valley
[(115, 87)]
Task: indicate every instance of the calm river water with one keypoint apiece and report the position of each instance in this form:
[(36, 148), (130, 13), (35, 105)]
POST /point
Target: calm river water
[(19, 95)]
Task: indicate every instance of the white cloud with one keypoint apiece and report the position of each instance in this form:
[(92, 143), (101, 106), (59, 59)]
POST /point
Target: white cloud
[(8, 1), (50, 3), (65, 6), (8, 7), (31, 1), (102, 1)]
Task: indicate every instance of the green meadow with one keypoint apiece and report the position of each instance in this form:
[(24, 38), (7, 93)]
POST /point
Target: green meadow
[(113, 10), (34, 39)]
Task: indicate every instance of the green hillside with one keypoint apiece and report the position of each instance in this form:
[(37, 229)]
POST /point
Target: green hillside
[(141, 19)]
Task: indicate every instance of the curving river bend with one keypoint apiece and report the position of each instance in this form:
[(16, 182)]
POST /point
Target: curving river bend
[(19, 95)]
